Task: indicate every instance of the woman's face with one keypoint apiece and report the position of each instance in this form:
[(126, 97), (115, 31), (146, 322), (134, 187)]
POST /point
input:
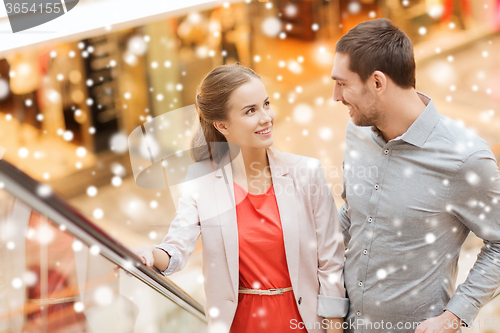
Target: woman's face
[(250, 117)]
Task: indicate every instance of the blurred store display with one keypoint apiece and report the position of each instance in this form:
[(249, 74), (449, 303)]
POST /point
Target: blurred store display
[(67, 107)]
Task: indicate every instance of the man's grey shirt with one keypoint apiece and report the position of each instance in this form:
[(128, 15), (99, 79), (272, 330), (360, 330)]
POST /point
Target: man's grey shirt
[(409, 205)]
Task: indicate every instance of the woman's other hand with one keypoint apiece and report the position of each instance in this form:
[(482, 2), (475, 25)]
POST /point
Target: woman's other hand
[(335, 325)]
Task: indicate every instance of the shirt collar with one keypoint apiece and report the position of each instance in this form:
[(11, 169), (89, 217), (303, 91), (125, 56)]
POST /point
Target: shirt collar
[(422, 127)]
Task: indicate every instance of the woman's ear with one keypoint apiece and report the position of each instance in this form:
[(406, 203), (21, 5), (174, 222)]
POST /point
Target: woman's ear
[(380, 80), (221, 127)]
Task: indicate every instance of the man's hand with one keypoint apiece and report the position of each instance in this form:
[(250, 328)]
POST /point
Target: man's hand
[(447, 322)]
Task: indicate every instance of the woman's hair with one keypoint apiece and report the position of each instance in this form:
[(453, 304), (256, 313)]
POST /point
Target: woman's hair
[(212, 104)]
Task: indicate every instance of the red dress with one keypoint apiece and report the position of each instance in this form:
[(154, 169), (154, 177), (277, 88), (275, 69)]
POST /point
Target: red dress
[(262, 266)]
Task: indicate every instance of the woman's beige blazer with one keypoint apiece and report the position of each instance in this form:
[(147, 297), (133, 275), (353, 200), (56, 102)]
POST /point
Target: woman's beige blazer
[(311, 231)]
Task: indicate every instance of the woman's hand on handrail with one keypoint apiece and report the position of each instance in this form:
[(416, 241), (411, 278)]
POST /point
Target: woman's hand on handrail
[(145, 253), (152, 256)]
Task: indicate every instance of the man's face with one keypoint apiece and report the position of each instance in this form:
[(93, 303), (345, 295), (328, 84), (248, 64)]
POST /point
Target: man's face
[(353, 93)]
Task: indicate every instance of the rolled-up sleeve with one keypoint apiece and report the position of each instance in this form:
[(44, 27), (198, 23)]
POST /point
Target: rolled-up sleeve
[(175, 258), (475, 192)]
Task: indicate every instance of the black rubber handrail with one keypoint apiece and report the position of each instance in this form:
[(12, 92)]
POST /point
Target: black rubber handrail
[(40, 197)]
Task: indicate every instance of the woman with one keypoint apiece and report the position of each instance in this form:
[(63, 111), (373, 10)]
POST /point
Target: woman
[(272, 247)]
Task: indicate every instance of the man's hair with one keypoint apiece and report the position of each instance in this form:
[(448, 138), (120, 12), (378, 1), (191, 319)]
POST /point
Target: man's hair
[(379, 45)]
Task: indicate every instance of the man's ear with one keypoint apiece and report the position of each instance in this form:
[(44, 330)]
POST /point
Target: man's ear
[(221, 127), (380, 81)]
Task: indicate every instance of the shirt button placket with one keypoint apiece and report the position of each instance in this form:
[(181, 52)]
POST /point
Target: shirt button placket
[(374, 200)]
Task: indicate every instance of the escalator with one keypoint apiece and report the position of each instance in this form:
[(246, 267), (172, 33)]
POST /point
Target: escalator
[(58, 271)]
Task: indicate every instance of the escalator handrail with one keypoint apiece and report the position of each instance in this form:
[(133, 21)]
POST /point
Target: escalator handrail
[(41, 198)]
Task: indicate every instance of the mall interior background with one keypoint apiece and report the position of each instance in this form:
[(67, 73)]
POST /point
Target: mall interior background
[(67, 109)]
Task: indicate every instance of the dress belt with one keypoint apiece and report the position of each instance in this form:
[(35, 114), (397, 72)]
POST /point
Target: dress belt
[(269, 292)]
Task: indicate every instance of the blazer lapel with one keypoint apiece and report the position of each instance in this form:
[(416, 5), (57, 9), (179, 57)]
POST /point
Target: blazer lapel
[(285, 197), (224, 194)]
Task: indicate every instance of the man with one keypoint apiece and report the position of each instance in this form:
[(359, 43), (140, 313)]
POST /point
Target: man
[(415, 184)]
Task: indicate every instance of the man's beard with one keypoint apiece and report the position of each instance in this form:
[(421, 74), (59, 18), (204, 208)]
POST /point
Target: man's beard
[(370, 115)]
